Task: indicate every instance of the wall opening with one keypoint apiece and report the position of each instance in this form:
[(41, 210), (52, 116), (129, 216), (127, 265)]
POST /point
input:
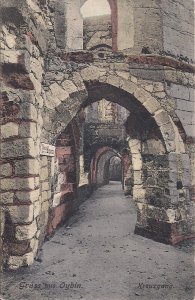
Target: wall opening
[(99, 25), (115, 169)]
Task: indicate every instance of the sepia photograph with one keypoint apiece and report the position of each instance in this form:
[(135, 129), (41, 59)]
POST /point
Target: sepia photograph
[(97, 149)]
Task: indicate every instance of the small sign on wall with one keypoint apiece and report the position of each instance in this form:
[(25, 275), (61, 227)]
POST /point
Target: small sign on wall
[(47, 150)]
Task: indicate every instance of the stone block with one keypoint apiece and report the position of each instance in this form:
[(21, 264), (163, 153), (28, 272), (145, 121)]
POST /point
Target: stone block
[(178, 91), (114, 80), (78, 81), (7, 198), (128, 86), (45, 206), (92, 73), (135, 146), (26, 232), (139, 193), (44, 161), (171, 214), (10, 41), (143, 96), (30, 196), (58, 92), (36, 68), (34, 243), (134, 79), (28, 112), (56, 199), (69, 87), (21, 214), (186, 117), (45, 186), (9, 130), (17, 184), (152, 105), (137, 177), (44, 174), (15, 262), (124, 75), (5, 170), (168, 132), (37, 85), (37, 209), (158, 87), (18, 148), (161, 117), (148, 88), (28, 130), (27, 167), (137, 162), (160, 95), (44, 197)]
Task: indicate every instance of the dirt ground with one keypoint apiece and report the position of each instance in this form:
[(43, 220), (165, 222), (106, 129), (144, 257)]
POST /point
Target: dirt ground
[(98, 257)]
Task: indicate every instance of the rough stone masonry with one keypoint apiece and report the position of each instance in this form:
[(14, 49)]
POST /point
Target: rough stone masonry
[(52, 67)]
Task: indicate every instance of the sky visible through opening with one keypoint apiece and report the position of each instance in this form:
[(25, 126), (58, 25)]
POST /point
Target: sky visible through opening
[(95, 8)]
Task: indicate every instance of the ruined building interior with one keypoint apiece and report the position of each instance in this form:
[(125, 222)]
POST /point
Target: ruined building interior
[(87, 99)]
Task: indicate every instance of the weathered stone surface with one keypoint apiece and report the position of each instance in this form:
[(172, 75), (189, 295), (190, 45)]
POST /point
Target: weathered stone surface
[(30, 196), (161, 118), (69, 87), (21, 214), (7, 198), (37, 209), (128, 86), (152, 105), (17, 184), (178, 91), (26, 232), (2, 221), (9, 130), (5, 170), (27, 167), (114, 80), (92, 73), (16, 262), (139, 193), (142, 95), (45, 90), (44, 174), (34, 245), (18, 148), (137, 162), (28, 130)]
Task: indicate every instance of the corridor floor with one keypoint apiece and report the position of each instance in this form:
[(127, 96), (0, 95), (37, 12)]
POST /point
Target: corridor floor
[(98, 257)]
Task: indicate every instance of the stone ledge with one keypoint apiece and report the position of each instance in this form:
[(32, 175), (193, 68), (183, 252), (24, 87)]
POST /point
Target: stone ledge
[(152, 60)]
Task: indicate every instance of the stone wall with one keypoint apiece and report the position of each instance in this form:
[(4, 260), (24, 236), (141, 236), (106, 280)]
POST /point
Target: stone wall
[(43, 88), (97, 33), (178, 28)]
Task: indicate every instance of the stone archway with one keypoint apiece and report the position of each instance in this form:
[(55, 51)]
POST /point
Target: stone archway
[(101, 152), (146, 102), (62, 102)]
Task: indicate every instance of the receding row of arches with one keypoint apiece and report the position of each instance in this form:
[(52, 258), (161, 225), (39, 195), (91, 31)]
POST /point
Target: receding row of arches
[(145, 161)]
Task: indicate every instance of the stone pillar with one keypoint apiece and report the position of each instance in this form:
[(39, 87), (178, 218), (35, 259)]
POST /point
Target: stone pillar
[(125, 30), (74, 26)]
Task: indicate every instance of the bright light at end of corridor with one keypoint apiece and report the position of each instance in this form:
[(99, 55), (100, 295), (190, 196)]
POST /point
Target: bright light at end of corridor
[(95, 8)]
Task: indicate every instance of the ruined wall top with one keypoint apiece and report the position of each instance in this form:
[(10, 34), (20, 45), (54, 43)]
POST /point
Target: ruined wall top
[(145, 26)]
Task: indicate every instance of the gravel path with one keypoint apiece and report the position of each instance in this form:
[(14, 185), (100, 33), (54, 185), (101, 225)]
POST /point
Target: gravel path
[(98, 257)]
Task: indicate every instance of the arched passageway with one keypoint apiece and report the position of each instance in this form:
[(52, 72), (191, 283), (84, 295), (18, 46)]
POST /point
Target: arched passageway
[(115, 169), (160, 193)]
